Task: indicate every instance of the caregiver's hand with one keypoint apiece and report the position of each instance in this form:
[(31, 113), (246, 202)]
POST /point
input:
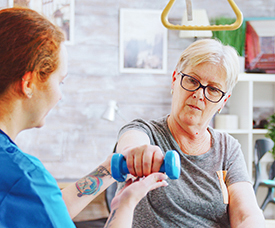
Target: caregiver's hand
[(125, 201)]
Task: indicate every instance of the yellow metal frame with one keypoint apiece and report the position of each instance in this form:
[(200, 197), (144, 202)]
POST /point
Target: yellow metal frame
[(235, 25)]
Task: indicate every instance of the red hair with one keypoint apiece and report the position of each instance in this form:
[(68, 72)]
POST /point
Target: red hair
[(28, 43)]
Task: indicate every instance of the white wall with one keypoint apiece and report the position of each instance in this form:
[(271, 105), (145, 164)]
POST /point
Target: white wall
[(75, 139)]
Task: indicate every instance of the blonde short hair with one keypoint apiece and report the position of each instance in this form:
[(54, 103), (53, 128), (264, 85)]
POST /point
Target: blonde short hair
[(212, 51)]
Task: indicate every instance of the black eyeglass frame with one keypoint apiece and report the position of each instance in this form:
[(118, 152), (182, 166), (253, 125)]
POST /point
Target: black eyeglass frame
[(200, 86)]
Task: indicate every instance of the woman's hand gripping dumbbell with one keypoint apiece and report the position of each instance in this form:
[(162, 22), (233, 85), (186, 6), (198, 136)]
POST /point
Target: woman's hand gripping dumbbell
[(170, 166)]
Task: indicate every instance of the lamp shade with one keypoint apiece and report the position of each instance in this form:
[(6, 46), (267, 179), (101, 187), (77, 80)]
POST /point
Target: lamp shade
[(200, 19), (110, 112)]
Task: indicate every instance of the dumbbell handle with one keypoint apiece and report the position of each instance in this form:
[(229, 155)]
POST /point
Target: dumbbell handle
[(170, 165), (125, 169)]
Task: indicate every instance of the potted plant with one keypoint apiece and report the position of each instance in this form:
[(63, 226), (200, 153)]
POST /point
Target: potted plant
[(270, 126), (235, 38)]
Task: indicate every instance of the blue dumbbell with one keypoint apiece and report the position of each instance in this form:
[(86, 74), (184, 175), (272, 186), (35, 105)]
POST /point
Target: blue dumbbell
[(170, 166)]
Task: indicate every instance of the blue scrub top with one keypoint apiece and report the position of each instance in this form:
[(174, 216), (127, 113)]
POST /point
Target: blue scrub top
[(29, 195)]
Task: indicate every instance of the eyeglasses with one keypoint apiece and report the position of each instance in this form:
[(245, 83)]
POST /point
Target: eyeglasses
[(191, 84)]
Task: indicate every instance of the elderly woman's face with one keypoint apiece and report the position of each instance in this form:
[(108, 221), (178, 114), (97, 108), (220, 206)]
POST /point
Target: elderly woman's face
[(192, 108)]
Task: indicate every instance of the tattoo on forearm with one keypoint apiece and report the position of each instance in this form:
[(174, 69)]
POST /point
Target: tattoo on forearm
[(92, 183), (111, 218)]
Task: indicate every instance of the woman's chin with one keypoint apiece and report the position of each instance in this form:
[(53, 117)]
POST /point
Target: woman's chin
[(189, 119)]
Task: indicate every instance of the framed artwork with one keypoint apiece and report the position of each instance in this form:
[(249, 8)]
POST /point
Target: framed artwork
[(59, 12), (143, 42), (260, 45)]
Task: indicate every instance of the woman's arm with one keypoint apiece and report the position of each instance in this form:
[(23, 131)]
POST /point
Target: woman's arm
[(125, 201), (142, 158), (243, 208), (79, 194)]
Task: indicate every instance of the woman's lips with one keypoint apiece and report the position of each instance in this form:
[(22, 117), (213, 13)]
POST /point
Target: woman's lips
[(194, 107)]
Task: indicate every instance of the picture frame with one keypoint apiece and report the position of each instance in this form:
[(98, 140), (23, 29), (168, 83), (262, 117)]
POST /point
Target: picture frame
[(260, 45), (59, 12), (143, 42)]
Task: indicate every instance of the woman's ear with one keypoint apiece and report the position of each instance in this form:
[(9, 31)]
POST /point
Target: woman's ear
[(224, 102), (27, 84), (174, 78)]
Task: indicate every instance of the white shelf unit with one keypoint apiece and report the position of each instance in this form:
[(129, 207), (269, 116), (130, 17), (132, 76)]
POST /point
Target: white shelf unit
[(252, 90)]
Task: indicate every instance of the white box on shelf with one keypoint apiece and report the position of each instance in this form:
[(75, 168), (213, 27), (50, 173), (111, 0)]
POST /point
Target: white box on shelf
[(224, 121)]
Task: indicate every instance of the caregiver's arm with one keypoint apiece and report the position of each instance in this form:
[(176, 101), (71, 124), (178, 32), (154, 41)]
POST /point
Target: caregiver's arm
[(79, 194), (243, 208), (125, 201)]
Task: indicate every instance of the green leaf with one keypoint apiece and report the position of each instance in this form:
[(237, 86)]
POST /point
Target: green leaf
[(235, 38)]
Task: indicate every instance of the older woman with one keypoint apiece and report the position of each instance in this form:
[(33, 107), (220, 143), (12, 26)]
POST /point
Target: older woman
[(214, 189), (33, 65)]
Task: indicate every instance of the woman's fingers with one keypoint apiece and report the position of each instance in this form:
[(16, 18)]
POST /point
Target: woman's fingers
[(144, 160), (134, 161), (157, 160), (138, 161), (147, 162), (130, 159)]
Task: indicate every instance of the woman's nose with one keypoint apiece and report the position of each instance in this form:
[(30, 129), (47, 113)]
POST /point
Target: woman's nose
[(199, 94)]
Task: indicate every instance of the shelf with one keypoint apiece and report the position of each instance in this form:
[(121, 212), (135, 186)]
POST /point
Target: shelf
[(234, 131), (259, 131), (253, 98), (257, 77), (243, 131)]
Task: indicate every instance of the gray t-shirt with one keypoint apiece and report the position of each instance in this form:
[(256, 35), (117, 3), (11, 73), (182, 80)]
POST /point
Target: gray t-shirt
[(195, 199)]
